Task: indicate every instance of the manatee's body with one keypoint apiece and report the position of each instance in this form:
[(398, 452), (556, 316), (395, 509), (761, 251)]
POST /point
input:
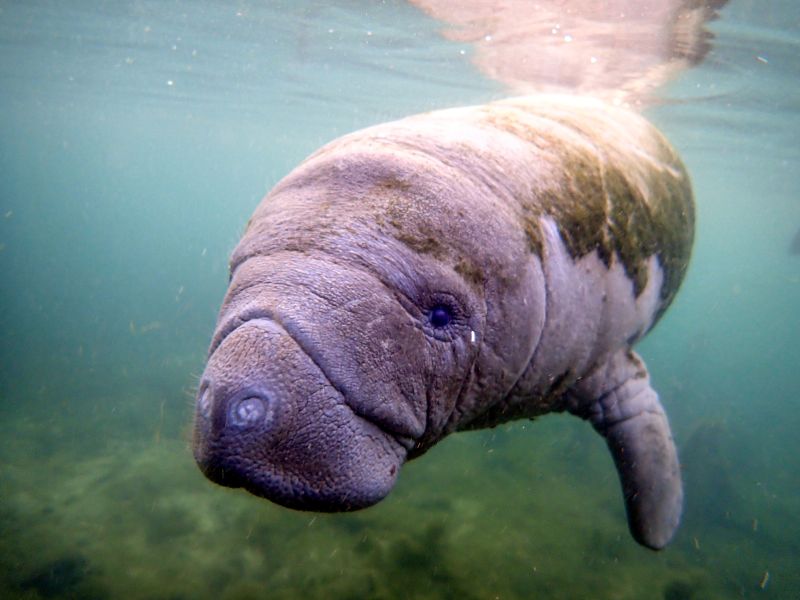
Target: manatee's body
[(450, 271)]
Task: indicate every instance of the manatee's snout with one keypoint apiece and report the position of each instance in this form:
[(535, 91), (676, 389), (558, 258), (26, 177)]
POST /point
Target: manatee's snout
[(267, 419), (230, 432)]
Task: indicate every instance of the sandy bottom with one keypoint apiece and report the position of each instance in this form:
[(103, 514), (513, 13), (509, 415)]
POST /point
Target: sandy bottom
[(103, 500)]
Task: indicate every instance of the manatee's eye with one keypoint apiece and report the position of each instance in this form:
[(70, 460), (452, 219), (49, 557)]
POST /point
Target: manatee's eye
[(441, 316)]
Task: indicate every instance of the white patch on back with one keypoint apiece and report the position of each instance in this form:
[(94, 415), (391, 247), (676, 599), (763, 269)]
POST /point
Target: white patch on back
[(591, 310)]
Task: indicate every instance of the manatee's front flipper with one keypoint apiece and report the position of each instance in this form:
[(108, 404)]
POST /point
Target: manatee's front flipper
[(623, 408)]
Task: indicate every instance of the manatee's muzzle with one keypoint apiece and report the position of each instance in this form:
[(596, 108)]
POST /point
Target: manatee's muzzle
[(268, 420)]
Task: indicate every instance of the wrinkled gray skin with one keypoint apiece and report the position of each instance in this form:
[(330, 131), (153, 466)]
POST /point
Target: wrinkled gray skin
[(329, 369)]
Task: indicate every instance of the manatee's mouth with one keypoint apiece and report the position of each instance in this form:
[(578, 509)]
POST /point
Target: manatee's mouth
[(269, 420), (313, 354)]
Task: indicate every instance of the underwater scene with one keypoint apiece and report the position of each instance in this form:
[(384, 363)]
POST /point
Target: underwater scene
[(136, 140)]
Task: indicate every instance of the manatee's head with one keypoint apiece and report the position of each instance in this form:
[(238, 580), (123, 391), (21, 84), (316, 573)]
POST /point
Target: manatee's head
[(377, 302), (323, 378)]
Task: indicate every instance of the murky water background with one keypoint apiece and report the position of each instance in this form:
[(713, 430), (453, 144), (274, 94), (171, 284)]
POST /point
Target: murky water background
[(135, 140)]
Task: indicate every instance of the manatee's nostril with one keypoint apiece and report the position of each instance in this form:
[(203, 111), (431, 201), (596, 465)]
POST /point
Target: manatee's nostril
[(248, 411), (204, 403)]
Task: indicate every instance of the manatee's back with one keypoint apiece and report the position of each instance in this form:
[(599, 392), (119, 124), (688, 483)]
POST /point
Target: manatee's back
[(606, 176), (620, 189)]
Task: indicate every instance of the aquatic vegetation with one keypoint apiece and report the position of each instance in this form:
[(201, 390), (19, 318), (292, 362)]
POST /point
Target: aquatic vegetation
[(58, 578)]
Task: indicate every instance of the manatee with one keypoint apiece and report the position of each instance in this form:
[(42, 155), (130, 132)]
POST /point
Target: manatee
[(445, 272)]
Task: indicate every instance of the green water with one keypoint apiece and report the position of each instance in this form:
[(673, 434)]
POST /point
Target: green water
[(135, 140)]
